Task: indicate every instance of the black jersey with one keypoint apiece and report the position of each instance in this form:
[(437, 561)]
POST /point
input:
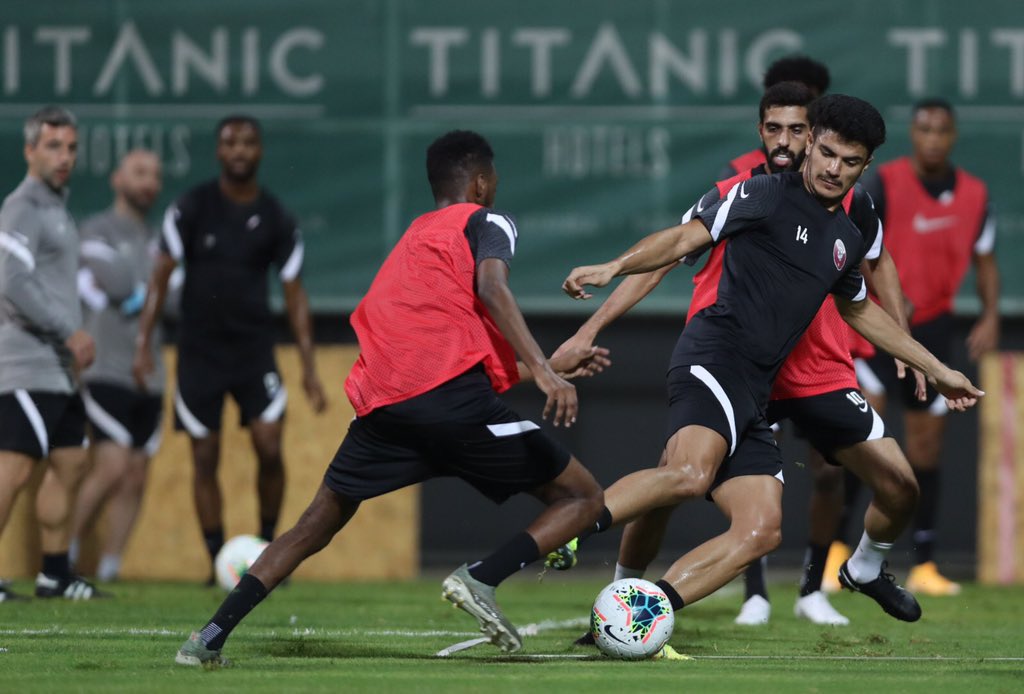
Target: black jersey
[(492, 234), (228, 250), (786, 253)]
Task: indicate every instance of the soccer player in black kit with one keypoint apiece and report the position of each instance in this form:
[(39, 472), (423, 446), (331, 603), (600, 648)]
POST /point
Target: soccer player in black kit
[(229, 232), (791, 244)]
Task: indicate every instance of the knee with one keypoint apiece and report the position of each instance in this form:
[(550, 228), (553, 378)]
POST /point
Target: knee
[(686, 483), (898, 490), (761, 537), (828, 480)]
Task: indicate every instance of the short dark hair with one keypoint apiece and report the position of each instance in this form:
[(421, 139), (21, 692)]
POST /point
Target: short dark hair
[(785, 94), (799, 68), (238, 118), (454, 157), (933, 102), (54, 116), (853, 119)]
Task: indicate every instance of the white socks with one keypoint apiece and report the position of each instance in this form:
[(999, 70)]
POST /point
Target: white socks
[(866, 562), (622, 572), (109, 567)]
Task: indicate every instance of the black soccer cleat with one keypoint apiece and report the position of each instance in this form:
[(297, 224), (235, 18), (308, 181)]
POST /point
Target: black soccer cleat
[(67, 587), (586, 640), (896, 600)]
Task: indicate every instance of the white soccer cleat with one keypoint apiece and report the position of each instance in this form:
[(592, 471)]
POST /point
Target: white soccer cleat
[(755, 612), (817, 609)]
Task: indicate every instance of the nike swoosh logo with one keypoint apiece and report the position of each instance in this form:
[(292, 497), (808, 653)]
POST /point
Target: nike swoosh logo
[(742, 189), (700, 204), (609, 634), (926, 225), (863, 408)]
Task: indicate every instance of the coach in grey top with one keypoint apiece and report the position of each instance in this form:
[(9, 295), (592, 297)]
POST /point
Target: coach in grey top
[(42, 346), (40, 308), (118, 249)]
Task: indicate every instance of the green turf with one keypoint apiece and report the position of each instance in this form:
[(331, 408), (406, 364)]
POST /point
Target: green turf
[(382, 636)]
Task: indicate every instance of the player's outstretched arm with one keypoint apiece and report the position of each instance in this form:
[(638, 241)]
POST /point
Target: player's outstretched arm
[(156, 293), (655, 251), (493, 290), (871, 321), (296, 302)]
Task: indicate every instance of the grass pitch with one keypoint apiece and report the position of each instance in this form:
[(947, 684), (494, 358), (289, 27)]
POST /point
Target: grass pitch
[(382, 637)]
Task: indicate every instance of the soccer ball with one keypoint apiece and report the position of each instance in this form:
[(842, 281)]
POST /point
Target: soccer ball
[(235, 557), (632, 619)]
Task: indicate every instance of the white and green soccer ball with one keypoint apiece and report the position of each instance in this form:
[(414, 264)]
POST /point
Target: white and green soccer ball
[(235, 559), (632, 619)]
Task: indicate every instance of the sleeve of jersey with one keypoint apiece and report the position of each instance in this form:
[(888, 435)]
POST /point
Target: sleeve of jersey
[(290, 251), (492, 234), (709, 198), (863, 214), (986, 243), (749, 202), (851, 285), (873, 186), (174, 230), (19, 283)]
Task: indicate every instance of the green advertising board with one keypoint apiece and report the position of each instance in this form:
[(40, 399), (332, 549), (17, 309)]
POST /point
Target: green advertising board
[(609, 118)]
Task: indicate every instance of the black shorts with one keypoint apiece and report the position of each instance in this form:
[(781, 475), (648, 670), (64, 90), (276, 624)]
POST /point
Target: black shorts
[(830, 421), (127, 416), (205, 376), (936, 337), (35, 422), (714, 397), (459, 429)]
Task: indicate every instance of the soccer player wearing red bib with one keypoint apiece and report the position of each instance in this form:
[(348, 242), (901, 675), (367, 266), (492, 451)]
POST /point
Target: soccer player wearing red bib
[(439, 330), (938, 224), (793, 68)]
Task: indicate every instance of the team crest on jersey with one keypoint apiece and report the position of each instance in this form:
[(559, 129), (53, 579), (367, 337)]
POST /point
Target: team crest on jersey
[(839, 254)]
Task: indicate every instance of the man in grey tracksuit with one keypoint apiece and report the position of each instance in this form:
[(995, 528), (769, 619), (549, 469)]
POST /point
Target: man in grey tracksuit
[(117, 253), (42, 346)]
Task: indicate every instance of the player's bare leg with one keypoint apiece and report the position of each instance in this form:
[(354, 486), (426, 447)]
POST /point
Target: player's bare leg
[(753, 505), (15, 471), (924, 434), (108, 469), (122, 511), (54, 502), (206, 493), (824, 509), (693, 455), (882, 466), (266, 441), (327, 514)]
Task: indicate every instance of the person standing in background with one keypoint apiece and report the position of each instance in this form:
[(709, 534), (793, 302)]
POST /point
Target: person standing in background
[(938, 222), (118, 249), (43, 347), (228, 232)]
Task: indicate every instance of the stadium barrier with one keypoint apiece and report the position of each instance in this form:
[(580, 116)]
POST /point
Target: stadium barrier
[(382, 541), (1001, 470)]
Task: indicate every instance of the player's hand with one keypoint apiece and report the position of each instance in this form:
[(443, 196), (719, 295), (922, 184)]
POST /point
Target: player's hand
[(314, 392), (984, 336), (82, 348), (594, 275), (580, 362), (920, 382), (561, 400), (142, 364), (960, 393)]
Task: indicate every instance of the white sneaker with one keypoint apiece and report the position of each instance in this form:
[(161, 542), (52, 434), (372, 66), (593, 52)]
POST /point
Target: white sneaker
[(816, 608), (755, 611)]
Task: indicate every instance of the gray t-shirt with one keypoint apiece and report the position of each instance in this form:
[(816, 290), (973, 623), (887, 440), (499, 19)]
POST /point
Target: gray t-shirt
[(117, 257), (39, 306)]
